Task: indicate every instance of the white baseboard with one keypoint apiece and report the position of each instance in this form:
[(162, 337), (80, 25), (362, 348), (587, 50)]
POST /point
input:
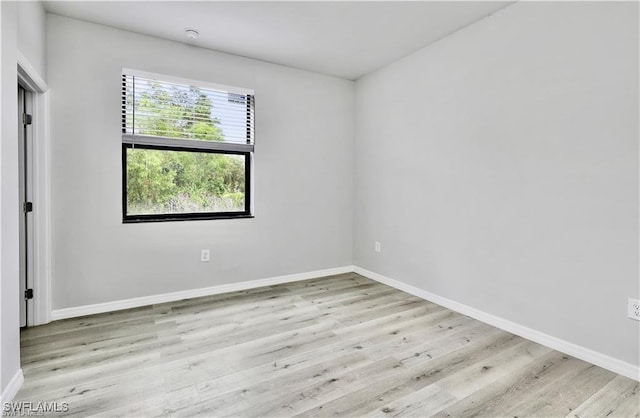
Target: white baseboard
[(606, 362), (12, 388), (192, 293)]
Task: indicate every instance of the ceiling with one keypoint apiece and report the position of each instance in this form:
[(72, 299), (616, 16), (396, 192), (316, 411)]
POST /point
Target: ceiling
[(343, 39)]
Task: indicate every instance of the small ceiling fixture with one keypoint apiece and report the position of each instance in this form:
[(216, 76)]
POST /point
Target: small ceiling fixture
[(191, 33)]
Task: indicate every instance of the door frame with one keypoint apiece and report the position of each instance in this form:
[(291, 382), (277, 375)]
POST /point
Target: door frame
[(29, 78)]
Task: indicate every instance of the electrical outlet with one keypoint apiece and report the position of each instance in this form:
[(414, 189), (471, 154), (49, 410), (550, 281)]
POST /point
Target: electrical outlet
[(634, 309), (205, 255), (377, 247)]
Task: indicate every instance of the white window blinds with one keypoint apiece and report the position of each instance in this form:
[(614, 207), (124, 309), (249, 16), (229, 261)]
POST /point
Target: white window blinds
[(163, 110)]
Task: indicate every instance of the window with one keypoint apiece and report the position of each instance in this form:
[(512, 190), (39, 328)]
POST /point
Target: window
[(187, 149)]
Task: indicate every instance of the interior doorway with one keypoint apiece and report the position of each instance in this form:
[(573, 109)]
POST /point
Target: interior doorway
[(25, 164)]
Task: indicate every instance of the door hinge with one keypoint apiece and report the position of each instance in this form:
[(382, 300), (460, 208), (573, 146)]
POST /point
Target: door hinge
[(26, 119), (28, 294), (27, 207)]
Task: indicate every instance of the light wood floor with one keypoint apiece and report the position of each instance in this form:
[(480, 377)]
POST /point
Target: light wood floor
[(335, 346)]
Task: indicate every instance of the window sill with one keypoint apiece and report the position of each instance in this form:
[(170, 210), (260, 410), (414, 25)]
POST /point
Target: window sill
[(187, 217)]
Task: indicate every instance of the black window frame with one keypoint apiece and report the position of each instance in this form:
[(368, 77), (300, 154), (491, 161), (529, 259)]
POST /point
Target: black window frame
[(189, 145), (164, 217)]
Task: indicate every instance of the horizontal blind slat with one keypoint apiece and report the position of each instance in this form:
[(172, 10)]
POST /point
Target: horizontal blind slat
[(186, 143)]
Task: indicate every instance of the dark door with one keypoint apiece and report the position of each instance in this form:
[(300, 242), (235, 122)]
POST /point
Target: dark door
[(25, 188)]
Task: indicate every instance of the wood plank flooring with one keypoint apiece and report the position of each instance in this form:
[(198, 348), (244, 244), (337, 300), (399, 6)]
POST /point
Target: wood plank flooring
[(334, 346)]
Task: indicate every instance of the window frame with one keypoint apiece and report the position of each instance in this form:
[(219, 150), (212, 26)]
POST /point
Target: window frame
[(164, 217), (159, 143)]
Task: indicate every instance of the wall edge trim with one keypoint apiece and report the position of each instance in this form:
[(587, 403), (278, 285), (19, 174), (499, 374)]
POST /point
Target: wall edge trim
[(594, 357), (117, 305), (12, 388)]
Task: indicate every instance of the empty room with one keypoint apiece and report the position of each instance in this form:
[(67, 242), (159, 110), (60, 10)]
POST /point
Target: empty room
[(320, 208)]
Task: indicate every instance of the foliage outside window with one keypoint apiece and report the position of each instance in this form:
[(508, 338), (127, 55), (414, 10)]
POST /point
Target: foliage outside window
[(186, 149)]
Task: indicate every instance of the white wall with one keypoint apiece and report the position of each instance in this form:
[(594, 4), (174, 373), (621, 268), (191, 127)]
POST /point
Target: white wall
[(32, 34), (498, 167), (303, 172), (9, 205)]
